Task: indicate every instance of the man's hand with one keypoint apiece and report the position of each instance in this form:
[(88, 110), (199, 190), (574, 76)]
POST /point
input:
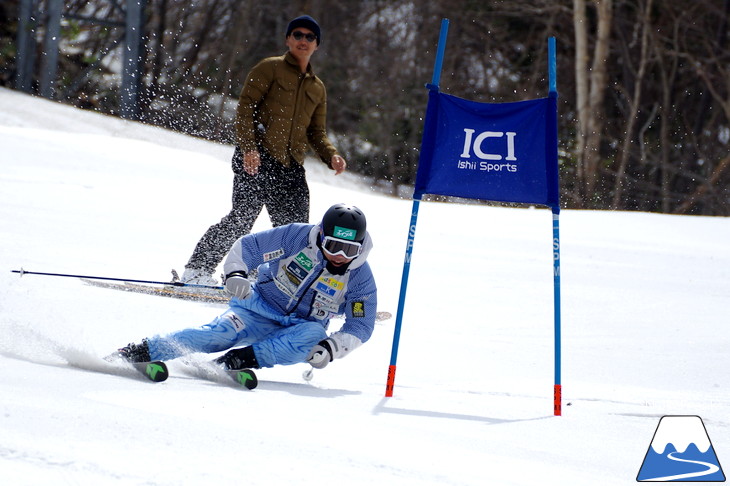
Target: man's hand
[(338, 164), (321, 355), (251, 162), (238, 285)]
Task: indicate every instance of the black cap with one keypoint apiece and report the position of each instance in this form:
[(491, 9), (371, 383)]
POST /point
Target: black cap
[(308, 23)]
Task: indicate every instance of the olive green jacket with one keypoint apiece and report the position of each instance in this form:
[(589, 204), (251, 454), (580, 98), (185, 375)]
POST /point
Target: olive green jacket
[(284, 111)]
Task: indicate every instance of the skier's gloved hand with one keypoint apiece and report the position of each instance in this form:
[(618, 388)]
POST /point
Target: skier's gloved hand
[(238, 285), (321, 355)]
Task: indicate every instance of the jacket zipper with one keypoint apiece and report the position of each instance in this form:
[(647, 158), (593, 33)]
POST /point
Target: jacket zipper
[(309, 286), (297, 107)]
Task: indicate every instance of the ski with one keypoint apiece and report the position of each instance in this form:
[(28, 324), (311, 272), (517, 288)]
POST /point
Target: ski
[(153, 370), (210, 371), (382, 316), (212, 296), (246, 378), (157, 371)]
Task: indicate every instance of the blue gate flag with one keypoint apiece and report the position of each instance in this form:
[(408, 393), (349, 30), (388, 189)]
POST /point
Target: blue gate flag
[(494, 151)]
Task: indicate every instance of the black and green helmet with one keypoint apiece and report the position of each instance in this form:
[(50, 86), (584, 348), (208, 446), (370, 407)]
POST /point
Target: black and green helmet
[(344, 222)]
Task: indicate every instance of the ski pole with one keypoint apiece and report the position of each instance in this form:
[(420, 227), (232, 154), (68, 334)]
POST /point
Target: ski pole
[(130, 280)]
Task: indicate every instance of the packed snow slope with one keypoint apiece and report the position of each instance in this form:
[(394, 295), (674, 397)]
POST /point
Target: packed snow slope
[(645, 301)]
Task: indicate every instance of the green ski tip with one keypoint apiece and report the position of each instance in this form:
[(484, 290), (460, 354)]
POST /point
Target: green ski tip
[(246, 378), (154, 370)]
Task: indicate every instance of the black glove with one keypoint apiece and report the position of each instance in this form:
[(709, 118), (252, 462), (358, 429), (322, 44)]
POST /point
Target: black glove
[(321, 355)]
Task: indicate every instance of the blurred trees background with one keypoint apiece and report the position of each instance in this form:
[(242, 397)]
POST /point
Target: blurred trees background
[(644, 85)]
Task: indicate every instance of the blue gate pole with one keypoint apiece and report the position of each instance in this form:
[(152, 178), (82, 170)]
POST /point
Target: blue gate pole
[(402, 297), (557, 387), (435, 79)]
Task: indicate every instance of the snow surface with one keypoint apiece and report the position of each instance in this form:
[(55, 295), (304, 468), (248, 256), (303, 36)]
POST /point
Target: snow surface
[(644, 305)]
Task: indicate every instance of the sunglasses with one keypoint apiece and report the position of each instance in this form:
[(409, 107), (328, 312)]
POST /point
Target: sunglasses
[(334, 246), (298, 35)]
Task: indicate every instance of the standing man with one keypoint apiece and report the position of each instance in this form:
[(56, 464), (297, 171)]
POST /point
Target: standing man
[(282, 111)]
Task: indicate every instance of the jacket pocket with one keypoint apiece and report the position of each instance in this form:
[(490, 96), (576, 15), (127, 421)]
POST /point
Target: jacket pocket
[(314, 96), (282, 98)]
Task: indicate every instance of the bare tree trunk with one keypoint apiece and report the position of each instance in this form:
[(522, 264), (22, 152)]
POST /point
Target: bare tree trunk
[(157, 58), (704, 188), (634, 105), (191, 56), (590, 118), (581, 84), (664, 132), (238, 28)]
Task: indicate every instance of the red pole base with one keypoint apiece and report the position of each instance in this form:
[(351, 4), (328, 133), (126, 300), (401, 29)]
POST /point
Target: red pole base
[(557, 400), (391, 381)]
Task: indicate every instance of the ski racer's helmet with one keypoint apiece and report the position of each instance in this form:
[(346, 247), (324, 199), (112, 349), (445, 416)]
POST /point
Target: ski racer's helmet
[(343, 230), (344, 222)]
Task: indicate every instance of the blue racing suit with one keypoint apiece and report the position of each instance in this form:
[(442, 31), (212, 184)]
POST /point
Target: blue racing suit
[(292, 301)]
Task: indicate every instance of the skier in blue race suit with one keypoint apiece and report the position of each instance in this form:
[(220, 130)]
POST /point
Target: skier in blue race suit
[(306, 274)]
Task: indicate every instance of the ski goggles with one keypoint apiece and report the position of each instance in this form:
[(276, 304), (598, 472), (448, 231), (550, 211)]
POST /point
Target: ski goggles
[(335, 246)]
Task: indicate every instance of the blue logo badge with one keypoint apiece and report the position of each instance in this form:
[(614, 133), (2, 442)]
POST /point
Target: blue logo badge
[(681, 451)]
